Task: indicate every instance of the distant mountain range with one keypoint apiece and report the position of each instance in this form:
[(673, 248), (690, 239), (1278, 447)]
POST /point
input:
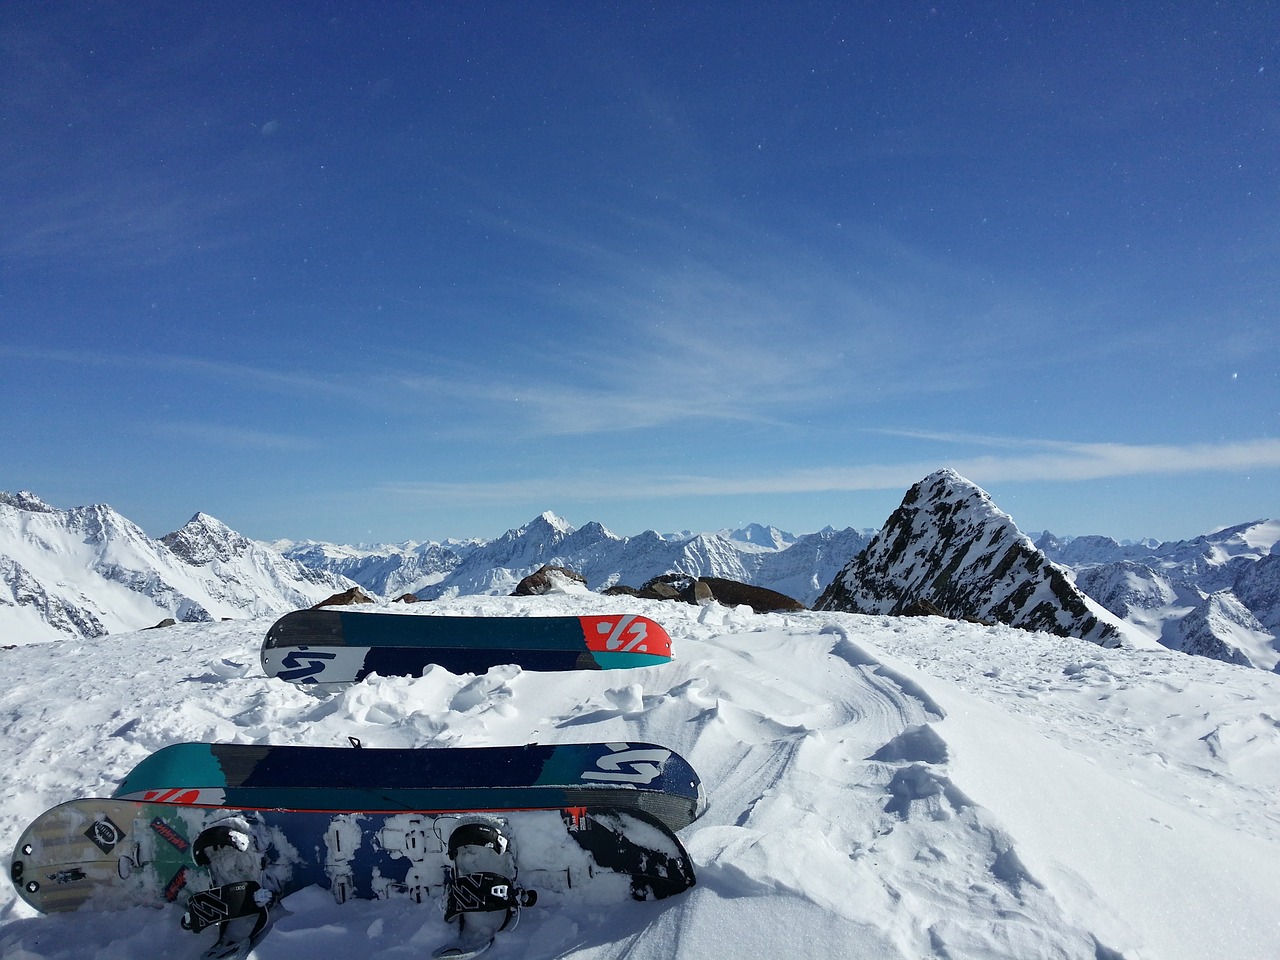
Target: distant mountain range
[(948, 548), (765, 556), (1217, 595)]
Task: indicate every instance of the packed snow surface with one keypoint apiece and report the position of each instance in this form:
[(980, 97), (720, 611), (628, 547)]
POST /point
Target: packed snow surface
[(879, 787)]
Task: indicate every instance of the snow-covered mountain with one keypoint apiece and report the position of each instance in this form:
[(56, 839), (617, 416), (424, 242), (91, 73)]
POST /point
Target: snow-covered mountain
[(948, 545), (1141, 589), (388, 570), (89, 571), (760, 535), (762, 556), (1249, 541), (1217, 595), (879, 788), (1221, 627)]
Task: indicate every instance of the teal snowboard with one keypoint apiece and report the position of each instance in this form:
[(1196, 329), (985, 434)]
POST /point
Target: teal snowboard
[(626, 776), (226, 831)]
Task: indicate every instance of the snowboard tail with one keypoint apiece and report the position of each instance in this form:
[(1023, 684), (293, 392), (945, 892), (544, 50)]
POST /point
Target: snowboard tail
[(331, 646)]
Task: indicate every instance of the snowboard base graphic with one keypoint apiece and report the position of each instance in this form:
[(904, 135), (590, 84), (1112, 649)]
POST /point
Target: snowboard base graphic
[(105, 854)]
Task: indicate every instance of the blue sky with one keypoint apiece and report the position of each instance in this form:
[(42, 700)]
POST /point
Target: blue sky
[(387, 271)]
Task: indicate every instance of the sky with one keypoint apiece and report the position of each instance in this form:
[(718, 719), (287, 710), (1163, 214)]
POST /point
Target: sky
[(386, 271)]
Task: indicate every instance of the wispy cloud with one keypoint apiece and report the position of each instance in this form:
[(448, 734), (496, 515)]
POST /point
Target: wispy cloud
[(732, 326), (1060, 461), (278, 380), (230, 437)]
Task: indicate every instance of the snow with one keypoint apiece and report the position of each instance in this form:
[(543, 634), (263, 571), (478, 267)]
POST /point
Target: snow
[(1255, 539), (879, 787)]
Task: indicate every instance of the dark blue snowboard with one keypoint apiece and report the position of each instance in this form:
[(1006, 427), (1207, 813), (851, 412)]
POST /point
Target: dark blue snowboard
[(337, 646)]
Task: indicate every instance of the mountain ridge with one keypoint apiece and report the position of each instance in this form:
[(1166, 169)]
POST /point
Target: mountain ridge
[(89, 570)]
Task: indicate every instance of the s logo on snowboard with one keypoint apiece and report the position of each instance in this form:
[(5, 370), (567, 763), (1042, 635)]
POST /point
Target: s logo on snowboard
[(302, 664), (629, 766)]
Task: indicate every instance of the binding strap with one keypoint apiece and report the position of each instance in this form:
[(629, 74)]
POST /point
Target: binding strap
[(481, 893), (222, 904)]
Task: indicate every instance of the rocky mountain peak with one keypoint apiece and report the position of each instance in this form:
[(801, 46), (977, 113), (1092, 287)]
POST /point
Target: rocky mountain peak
[(549, 521), (765, 536), (203, 539), (26, 500), (949, 545)]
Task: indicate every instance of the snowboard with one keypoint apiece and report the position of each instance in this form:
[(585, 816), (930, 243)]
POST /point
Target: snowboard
[(626, 776), (332, 646), (116, 853)]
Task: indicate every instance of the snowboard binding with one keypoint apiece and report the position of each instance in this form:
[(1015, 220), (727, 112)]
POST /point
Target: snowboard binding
[(238, 905), (484, 866), (483, 896)]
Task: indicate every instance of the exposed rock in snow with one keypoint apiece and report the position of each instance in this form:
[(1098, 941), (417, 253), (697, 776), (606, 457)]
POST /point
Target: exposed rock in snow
[(346, 598), (548, 579)]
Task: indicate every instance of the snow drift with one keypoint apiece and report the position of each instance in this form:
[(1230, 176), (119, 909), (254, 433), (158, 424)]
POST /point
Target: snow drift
[(879, 787)]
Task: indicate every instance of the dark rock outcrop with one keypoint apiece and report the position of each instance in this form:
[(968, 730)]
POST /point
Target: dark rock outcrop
[(549, 579), (950, 546), (346, 598), (698, 590)]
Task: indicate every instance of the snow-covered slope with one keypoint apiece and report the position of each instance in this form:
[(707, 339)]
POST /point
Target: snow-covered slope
[(950, 546), (880, 788), (89, 571), (1220, 626)]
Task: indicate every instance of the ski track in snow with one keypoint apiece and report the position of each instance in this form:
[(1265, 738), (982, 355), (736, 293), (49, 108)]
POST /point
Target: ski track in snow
[(858, 772)]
